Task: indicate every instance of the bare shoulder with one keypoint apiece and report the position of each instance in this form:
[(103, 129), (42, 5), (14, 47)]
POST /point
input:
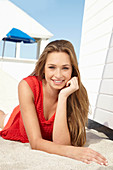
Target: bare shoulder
[(24, 89), (22, 83)]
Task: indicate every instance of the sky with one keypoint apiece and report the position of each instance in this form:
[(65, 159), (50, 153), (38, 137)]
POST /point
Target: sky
[(63, 18)]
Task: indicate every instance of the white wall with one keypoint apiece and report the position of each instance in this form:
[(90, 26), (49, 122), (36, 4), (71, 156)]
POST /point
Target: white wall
[(17, 68), (11, 72), (8, 92), (96, 58)]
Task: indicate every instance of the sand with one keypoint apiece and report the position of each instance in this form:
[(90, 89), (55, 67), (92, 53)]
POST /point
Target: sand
[(19, 156)]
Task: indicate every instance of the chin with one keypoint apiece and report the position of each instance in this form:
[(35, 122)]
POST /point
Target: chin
[(58, 87)]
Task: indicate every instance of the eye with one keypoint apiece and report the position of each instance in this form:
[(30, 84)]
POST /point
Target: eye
[(65, 68), (51, 67)]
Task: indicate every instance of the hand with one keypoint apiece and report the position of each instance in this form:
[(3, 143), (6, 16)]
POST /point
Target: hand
[(71, 86), (88, 155)]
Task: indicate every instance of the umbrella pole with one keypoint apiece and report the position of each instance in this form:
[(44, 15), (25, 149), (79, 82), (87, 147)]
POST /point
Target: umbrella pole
[(38, 49), (3, 49)]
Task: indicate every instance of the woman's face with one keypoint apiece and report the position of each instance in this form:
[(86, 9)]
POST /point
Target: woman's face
[(58, 69)]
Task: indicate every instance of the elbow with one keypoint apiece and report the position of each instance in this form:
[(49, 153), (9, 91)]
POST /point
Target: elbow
[(35, 144), (33, 147)]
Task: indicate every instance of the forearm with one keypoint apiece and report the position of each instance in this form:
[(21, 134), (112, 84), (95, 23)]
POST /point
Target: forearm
[(60, 129), (84, 154), (53, 148)]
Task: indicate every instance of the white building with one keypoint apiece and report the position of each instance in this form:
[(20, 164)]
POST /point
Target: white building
[(12, 70), (12, 16), (96, 58)]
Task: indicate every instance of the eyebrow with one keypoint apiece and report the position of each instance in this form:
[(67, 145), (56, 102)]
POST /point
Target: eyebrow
[(62, 65)]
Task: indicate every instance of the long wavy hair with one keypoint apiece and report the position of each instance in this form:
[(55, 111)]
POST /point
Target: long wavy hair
[(77, 102)]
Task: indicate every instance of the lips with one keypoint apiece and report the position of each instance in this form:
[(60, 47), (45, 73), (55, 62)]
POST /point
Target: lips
[(57, 81)]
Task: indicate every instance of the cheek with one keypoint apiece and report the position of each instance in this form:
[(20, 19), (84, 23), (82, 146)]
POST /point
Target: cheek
[(48, 73), (68, 74)]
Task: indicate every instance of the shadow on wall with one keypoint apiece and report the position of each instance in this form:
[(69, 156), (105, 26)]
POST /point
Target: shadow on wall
[(8, 92), (104, 107)]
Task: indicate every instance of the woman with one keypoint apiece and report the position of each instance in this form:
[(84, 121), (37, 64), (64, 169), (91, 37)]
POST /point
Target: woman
[(53, 107)]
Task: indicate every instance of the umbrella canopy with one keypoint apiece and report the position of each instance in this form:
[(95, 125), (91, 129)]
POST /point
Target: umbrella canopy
[(16, 35)]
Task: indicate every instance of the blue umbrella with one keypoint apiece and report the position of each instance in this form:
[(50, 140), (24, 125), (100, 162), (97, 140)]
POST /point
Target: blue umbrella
[(16, 35)]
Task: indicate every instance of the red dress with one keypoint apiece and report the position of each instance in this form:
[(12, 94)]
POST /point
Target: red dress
[(14, 129)]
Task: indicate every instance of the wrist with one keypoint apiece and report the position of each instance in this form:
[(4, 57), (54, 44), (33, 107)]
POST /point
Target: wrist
[(62, 96), (69, 151)]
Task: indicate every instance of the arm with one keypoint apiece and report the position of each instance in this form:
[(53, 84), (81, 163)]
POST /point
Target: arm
[(31, 123), (61, 133)]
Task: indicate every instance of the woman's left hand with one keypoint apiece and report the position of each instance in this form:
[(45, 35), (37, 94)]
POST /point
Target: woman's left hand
[(71, 87)]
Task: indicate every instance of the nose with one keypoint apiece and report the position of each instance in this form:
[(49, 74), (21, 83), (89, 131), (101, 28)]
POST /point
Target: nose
[(58, 73)]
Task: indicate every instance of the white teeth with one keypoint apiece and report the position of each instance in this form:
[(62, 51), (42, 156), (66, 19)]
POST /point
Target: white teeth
[(57, 81)]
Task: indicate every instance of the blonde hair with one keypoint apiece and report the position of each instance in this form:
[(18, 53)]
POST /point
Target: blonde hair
[(77, 102)]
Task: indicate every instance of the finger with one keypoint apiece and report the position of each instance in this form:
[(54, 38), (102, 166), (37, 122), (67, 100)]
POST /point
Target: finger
[(75, 78), (75, 82), (98, 158), (100, 162), (97, 154), (68, 83), (86, 161)]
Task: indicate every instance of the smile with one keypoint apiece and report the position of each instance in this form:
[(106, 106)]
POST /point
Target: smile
[(57, 81)]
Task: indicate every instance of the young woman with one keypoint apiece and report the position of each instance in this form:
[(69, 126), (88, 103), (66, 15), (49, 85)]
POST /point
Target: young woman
[(53, 107)]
